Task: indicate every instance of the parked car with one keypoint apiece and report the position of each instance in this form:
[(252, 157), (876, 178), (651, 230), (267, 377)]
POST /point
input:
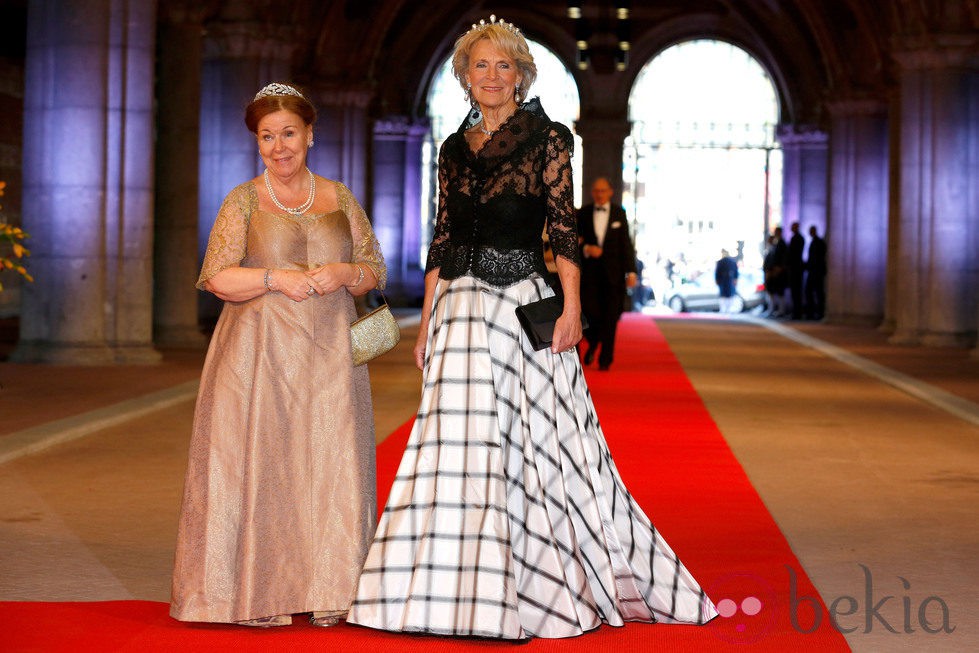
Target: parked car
[(700, 294)]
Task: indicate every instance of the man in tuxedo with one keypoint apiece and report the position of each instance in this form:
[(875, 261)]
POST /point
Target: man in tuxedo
[(608, 266)]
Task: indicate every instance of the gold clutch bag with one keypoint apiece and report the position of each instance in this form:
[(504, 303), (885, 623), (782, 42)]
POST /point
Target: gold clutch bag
[(374, 334)]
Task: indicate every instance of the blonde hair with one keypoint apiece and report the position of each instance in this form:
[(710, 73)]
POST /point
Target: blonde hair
[(511, 44)]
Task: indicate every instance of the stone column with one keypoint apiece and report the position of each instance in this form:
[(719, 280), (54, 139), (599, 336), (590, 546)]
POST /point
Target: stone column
[(88, 182), (857, 228), (342, 138), (937, 234), (175, 257), (396, 210), (805, 161), (239, 59), (602, 140), (893, 213)]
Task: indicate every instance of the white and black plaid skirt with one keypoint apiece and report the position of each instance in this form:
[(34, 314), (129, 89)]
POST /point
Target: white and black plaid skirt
[(507, 517)]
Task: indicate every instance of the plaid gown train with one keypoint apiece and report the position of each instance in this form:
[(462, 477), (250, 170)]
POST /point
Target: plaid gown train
[(507, 517)]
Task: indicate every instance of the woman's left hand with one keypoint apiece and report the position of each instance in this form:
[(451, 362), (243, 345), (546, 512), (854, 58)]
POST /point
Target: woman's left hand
[(567, 332), (329, 277)]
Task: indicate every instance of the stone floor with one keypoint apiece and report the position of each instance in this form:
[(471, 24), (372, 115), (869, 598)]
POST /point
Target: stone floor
[(866, 454)]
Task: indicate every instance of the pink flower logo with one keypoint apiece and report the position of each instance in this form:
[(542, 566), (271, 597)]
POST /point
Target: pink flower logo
[(747, 607)]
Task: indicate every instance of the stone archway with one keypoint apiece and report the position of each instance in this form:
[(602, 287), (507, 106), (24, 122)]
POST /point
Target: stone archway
[(701, 166)]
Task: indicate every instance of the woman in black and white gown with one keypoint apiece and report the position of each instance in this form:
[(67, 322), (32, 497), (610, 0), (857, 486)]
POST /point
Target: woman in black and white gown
[(507, 517)]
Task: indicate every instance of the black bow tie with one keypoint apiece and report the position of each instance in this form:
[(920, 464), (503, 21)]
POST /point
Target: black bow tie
[(601, 208)]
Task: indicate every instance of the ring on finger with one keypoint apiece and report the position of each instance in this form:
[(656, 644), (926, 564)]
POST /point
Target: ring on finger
[(311, 291)]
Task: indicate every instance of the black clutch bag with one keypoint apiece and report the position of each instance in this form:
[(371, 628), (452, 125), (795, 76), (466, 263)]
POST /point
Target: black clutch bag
[(538, 318)]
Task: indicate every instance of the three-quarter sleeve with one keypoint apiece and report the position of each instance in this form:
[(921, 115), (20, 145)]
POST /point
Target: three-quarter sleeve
[(440, 237), (366, 248), (229, 236), (562, 229)]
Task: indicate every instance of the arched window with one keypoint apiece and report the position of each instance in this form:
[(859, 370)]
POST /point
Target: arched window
[(702, 169), (447, 108)]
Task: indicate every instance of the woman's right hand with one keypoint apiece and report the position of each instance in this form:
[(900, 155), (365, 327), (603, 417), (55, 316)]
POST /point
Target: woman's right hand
[(421, 344), (295, 284)]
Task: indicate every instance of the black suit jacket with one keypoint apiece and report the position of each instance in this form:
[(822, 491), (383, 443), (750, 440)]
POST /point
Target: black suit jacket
[(607, 273), (816, 264)]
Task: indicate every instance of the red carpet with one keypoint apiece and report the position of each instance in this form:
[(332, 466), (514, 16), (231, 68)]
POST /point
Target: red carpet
[(676, 464)]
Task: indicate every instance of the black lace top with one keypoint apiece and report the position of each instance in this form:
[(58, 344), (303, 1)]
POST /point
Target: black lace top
[(495, 203)]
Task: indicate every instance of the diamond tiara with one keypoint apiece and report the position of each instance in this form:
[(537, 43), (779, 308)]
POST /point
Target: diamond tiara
[(276, 88), (510, 27)]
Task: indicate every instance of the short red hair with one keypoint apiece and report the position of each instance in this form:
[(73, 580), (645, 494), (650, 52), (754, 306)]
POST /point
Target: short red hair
[(263, 106)]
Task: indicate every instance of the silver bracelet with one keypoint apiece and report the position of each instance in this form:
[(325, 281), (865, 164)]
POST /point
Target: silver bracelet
[(268, 279), (359, 279)]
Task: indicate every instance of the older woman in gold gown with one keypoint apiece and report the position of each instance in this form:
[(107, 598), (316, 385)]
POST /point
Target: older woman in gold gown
[(279, 501)]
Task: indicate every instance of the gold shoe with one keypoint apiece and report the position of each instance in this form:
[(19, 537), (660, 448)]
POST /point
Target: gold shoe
[(267, 622)]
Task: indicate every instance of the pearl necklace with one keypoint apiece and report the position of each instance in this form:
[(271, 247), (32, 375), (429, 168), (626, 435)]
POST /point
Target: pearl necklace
[(302, 208), (490, 132)]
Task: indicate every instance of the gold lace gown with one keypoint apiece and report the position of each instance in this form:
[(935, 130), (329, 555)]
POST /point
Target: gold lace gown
[(279, 502)]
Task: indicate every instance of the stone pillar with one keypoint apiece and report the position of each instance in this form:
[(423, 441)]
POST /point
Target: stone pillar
[(937, 233), (239, 59), (175, 256), (602, 140), (857, 228), (88, 182), (805, 161), (396, 211), (342, 139), (893, 213)]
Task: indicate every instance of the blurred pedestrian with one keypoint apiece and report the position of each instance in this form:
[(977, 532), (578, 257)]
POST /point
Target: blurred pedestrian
[(726, 277), (816, 276), (641, 294), (797, 245), (775, 267)]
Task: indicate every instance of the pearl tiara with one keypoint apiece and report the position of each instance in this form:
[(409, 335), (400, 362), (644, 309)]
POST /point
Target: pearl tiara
[(276, 88), (482, 25)]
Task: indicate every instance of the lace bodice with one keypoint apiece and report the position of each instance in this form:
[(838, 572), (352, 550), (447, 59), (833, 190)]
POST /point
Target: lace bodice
[(245, 236), (495, 203)]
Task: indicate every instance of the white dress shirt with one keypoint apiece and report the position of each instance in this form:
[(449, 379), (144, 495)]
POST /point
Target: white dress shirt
[(600, 214)]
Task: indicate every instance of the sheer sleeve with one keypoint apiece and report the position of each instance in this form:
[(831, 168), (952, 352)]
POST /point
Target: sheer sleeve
[(229, 235), (366, 248), (440, 239), (562, 229)]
